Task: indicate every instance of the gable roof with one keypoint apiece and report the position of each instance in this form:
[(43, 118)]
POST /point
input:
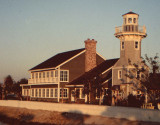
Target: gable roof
[(104, 66), (57, 59)]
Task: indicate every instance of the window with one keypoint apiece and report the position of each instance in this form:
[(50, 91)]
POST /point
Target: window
[(119, 74), (39, 92), (43, 74), (134, 20), (136, 44), (36, 92), (24, 92), (56, 93), (122, 46), (77, 93), (63, 92), (129, 20), (63, 75), (32, 75), (47, 92), (32, 92), (36, 75), (82, 94), (47, 74), (56, 73), (51, 92), (40, 75), (52, 74), (43, 94)]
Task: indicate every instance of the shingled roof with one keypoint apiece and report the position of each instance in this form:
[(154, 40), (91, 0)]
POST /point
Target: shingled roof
[(57, 59), (95, 71)]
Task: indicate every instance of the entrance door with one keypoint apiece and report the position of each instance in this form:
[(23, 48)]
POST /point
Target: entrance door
[(72, 95)]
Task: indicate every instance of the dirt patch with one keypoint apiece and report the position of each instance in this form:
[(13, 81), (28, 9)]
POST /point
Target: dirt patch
[(12, 115), (23, 116)]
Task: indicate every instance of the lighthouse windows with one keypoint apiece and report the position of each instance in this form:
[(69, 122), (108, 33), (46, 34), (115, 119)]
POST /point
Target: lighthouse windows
[(122, 45), (119, 74), (129, 20), (136, 45), (134, 20)]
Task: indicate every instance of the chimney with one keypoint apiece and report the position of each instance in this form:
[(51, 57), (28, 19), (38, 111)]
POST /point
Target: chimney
[(90, 54)]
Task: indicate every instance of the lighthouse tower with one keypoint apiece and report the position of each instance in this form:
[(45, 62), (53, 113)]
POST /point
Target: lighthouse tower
[(130, 35)]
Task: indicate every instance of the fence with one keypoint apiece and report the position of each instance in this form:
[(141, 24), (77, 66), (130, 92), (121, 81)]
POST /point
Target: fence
[(107, 111)]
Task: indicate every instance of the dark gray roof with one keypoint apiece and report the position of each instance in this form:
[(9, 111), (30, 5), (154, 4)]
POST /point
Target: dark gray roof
[(57, 59), (130, 13)]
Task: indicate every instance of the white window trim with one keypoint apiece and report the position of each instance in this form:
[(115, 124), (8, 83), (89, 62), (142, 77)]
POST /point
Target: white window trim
[(67, 76), (67, 93), (34, 96)]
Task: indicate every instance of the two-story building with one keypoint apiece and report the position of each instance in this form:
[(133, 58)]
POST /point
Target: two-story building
[(48, 79)]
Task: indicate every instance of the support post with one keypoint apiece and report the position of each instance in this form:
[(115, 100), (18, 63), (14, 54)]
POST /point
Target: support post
[(58, 83)]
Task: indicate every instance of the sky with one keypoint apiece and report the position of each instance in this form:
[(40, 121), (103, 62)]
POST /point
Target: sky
[(32, 31)]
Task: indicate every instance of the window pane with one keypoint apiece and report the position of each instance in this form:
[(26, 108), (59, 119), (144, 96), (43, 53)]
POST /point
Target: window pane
[(122, 45), (56, 93), (77, 93), (37, 75), (32, 92), (43, 74), (56, 73), (39, 92), (36, 92), (47, 92), (52, 74), (43, 92), (47, 74), (129, 20), (40, 75), (136, 44), (51, 92)]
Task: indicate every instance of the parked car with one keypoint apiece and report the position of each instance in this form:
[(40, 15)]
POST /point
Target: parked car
[(12, 97)]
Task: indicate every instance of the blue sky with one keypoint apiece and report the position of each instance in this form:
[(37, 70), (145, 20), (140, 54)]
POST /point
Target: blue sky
[(32, 31)]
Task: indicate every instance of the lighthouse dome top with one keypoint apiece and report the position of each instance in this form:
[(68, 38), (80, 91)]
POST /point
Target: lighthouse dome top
[(130, 13)]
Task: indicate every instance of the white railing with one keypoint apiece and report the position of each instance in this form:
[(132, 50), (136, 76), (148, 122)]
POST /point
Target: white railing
[(43, 80), (130, 28)]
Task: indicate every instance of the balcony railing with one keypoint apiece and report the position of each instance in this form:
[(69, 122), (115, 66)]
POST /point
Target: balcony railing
[(43, 81), (130, 28)]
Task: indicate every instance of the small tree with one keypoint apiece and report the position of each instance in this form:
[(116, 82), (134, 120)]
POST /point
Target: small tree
[(0, 90), (146, 75), (93, 86), (16, 86), (8, 83)]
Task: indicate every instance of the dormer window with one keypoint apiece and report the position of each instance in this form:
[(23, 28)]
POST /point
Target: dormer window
[(129, 20)]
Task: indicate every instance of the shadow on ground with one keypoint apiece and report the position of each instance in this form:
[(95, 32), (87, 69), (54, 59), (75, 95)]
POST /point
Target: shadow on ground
[(24, 119), (75, 117)]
